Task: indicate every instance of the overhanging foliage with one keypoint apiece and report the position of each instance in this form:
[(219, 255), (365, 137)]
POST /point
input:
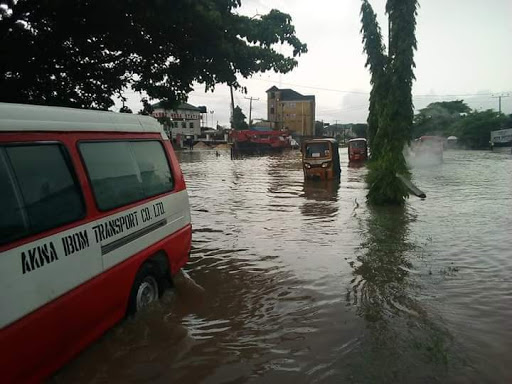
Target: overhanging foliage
[(82, 53)]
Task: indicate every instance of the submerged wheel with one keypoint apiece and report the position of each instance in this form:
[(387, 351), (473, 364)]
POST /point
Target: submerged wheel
[(145, 289)]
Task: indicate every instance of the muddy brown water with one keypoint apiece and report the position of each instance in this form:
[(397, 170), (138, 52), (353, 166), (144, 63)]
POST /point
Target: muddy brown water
[(294, 281)]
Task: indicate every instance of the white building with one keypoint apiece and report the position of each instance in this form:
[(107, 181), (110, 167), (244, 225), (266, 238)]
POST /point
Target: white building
[(501, 139), (185, 121)]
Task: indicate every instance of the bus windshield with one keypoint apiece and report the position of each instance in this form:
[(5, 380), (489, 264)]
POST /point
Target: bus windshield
[(317, 150), (358, 144)]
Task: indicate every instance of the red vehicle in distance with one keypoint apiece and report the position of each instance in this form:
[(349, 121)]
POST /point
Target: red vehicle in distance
[(357, 150), (260, 141)]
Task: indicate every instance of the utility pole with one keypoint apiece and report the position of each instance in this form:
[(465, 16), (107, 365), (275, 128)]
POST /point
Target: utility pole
[(389, 35), (232, 107), (250, 108), (499, 97), (302, 115)]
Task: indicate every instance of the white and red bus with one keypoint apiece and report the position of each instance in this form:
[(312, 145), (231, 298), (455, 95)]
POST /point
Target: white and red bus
[(94, 219)]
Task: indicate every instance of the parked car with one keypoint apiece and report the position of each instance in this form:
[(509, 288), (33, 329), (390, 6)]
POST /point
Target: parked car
[(357, 150)]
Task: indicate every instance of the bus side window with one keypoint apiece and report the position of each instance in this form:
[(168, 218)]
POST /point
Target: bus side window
[(48, 193), (124, 172), (154, 168), (13, 219), (113, 173)]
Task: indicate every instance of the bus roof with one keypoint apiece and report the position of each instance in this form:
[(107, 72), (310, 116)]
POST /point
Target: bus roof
[(438, 138), (24, 117), (320, 139)]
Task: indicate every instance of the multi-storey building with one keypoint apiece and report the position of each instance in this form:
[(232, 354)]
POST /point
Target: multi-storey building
[(185, 120), (288, 109)]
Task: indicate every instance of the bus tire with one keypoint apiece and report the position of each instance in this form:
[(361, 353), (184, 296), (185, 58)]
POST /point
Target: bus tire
[(145, 289)]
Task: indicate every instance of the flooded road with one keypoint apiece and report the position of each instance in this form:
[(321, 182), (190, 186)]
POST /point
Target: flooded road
[(294, 281)]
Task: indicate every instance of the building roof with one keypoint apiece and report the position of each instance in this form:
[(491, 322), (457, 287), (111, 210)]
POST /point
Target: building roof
[(288, 94), (503, 130), (24, 117), (185, 106)]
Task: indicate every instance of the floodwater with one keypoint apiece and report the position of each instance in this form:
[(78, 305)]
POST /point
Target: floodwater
[(294, 281)]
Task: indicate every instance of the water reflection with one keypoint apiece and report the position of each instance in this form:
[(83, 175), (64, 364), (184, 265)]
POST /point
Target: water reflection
[(305, 283), (283, 171), (321, 198), (356, 164), (404, 342), (381, 274), (321, 190)]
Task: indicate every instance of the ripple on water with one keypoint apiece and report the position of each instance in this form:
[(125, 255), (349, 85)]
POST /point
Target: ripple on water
[(305, 283)]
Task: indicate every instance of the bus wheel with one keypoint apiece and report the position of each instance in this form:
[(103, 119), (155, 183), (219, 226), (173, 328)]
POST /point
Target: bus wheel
[(145, 289)]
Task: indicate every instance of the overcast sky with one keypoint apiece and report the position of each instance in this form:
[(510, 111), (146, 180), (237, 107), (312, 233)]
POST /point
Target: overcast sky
[(464, 52)]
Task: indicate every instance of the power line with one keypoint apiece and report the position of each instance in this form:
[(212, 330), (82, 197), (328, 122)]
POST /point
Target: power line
[(499, 97), (348, 108), (457, 95), (353, 108), (250, 107), (313, 87), (367, 93), (212, 94)]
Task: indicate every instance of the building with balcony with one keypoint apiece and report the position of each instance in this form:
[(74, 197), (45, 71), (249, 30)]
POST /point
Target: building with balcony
[(288, 109), (184, 121)]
